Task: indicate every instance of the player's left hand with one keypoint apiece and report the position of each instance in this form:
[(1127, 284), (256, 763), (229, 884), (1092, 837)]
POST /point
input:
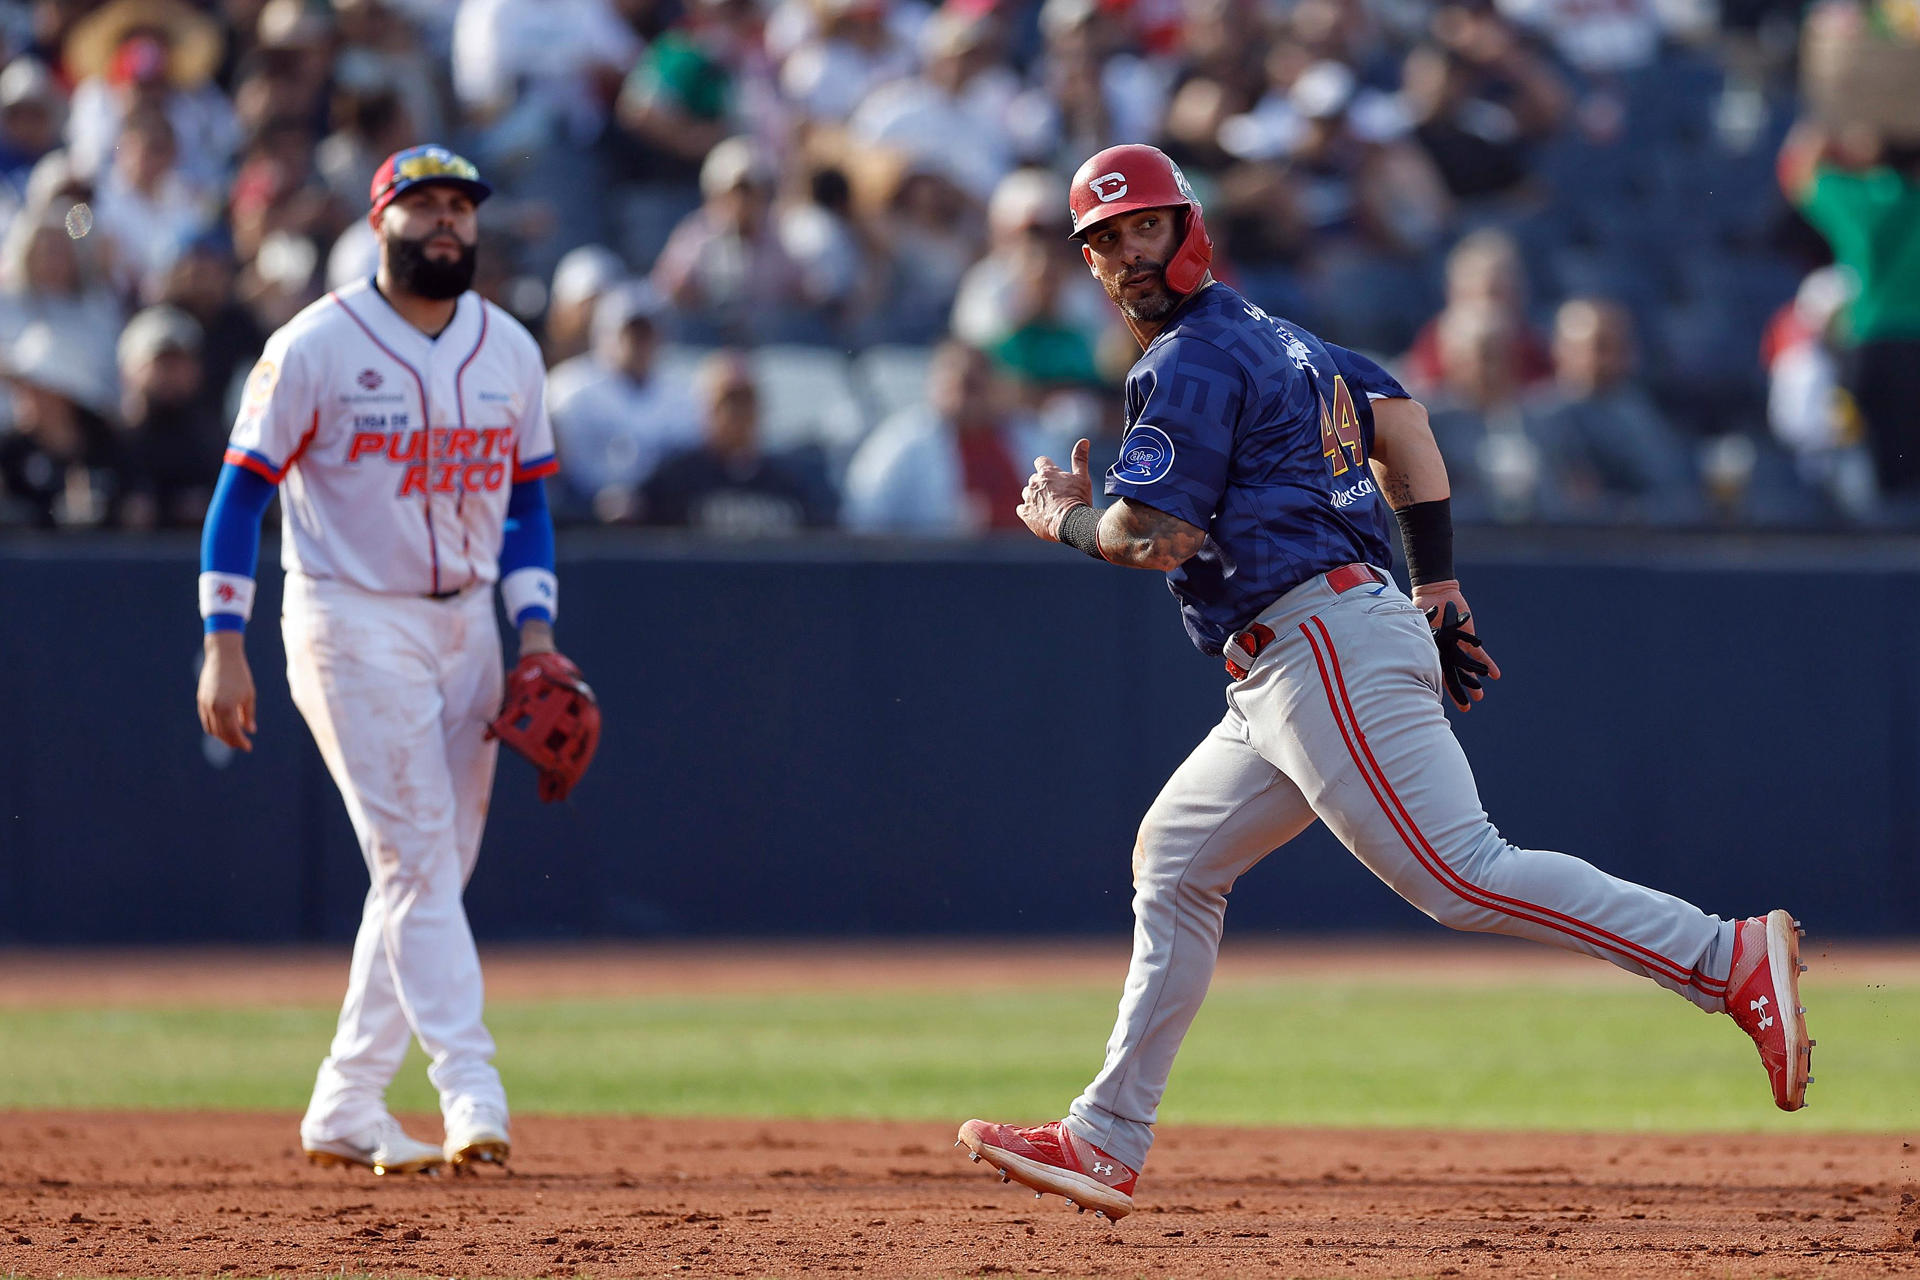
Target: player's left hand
[(1051, 492), (1462, 661)]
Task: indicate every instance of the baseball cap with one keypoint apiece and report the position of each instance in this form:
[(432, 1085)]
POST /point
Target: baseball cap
[(416, 166), (732, 163), (42, 357), (1026, 198), (28, 80), (157, 329), (586, 272), (1323, 91), (622, 305)]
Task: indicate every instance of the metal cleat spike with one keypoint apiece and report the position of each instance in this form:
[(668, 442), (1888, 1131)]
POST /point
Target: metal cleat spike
[(1809, 1079), (1079, 1208), (974, 1156), (1803, 966), (956, 1142), (1812, 1043), (1005, 1176), (1101, 1213), (1038, 1195)]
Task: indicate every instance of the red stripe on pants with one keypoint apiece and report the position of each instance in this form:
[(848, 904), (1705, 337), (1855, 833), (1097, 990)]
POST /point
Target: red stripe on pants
[(1437, 866)]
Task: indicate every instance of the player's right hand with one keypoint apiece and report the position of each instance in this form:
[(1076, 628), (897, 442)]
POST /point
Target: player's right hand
[(226, 691), (1050, 492)]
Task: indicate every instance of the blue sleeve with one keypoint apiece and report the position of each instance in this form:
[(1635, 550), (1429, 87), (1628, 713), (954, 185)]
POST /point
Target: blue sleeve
[(527, 539), (1364, 375), (1183, 402), (230, 539)]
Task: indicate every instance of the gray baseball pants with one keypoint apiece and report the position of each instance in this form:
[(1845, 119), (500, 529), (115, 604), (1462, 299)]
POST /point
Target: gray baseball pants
[(1341, 719)]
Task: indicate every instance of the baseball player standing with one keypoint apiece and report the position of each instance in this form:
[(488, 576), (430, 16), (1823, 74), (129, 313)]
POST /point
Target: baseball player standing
[(402, 420), (1257, 472)]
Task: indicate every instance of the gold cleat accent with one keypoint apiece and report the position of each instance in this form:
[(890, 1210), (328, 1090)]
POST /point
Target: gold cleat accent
[(332, 1160), (385, 1149), (479, 1153)]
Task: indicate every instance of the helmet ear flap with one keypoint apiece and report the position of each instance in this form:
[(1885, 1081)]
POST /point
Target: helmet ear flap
[(1188, 265)]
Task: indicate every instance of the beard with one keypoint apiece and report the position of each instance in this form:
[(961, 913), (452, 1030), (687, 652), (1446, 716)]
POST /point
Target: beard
[(1153, 305), (428, 277)]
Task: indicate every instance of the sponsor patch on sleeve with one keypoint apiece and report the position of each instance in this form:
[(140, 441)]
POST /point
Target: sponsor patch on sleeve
[(1146, 456), (260, 384)]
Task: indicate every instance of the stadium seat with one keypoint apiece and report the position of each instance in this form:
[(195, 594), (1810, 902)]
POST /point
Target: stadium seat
[(891, 377), (808, 397), (678, 362)]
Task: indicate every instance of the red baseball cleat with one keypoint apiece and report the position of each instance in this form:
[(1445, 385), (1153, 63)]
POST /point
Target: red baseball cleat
[(1050, 1157), (1763, 996)]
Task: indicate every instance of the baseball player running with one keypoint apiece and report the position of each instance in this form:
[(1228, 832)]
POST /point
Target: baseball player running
[(402, 421), (1257, 471)]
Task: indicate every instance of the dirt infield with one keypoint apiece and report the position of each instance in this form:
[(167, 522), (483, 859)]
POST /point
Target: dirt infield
[(182, 1194), (191, 1195)]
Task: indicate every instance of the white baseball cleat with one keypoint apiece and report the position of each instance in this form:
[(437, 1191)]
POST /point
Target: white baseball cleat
[(384, 1148), (477, 1134)]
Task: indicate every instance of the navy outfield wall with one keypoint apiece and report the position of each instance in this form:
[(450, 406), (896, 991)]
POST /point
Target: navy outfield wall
[(847, 738)]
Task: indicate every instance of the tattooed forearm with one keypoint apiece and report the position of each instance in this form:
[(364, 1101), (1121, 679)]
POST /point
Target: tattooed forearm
[(1136, 535), (1395, 487), (1406, 462)]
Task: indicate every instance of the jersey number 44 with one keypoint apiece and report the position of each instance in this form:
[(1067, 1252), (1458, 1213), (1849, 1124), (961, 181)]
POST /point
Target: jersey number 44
[(1340, 439)]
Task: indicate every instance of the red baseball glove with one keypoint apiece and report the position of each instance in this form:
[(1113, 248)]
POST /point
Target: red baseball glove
[(551, 717)]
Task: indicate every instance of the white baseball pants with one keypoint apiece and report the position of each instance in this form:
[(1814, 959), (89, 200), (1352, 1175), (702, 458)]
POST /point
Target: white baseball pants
[(398, 691), (1341, 719)]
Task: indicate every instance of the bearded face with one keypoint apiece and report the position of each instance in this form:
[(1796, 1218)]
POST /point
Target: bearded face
[(1140, 291), (1128, 254), (438, 265)]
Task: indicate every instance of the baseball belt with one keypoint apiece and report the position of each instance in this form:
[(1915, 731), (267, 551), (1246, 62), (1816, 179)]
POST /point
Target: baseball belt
[(1244, 646)]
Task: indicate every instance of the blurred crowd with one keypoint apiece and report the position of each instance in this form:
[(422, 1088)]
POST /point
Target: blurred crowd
[(804, 264)]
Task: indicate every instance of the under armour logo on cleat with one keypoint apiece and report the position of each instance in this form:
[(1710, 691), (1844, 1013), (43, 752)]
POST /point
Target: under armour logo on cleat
[(1102, 1168), (1760, 1007)]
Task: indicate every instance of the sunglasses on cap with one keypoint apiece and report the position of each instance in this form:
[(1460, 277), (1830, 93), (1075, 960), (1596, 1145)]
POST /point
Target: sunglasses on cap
[(417, 166)]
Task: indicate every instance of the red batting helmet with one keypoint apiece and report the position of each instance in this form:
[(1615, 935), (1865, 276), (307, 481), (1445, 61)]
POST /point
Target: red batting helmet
[(1133, 176)]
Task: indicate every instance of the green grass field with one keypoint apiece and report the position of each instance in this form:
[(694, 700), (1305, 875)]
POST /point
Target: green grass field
[(1328, 1053)]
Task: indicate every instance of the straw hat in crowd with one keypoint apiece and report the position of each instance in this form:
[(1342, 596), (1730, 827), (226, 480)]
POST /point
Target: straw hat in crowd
[(192, 41)]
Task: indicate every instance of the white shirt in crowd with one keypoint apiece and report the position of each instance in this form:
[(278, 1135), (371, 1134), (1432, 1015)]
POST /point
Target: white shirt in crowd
[(206, 134), (925, 120), (149, 230), (613, 431), (907, 477), (536, 54)]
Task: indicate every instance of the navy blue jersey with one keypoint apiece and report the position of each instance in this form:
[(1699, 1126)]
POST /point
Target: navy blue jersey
[(1259, 433)]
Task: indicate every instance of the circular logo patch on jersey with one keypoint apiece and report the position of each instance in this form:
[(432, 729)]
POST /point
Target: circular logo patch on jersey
[(1146, 455), (260, 383)]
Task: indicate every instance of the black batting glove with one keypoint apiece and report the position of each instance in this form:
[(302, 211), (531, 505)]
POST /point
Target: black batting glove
[(1459, 670)]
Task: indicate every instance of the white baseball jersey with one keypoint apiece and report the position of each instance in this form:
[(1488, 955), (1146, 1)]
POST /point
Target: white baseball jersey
[(408, 446)]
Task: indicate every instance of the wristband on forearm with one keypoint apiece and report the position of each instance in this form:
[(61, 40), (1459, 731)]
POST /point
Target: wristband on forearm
[(1080, 529), (1426, 532)]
